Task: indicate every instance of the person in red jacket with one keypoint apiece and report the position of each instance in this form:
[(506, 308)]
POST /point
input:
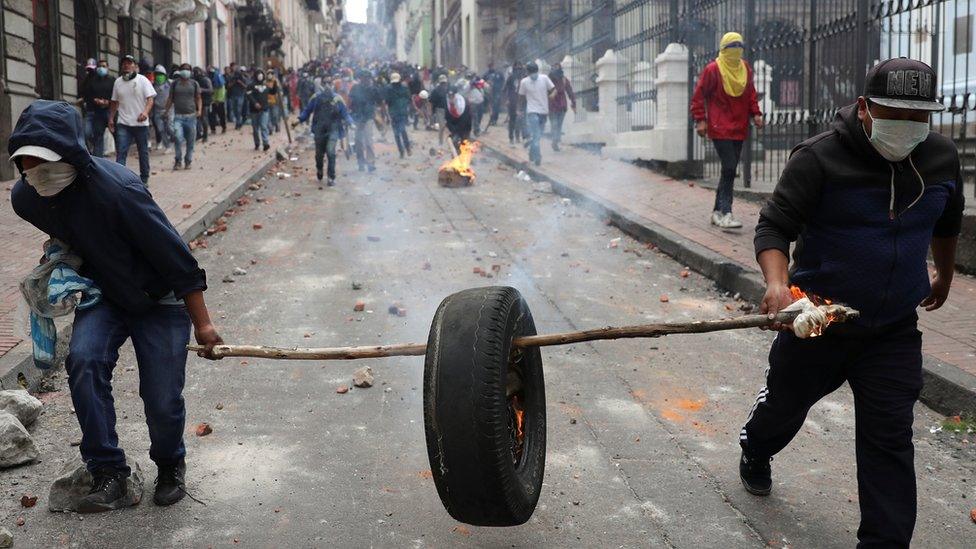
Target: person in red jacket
[(724, 99)]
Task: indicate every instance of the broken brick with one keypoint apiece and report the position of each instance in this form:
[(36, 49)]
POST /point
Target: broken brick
[(359, 306), (187, 206), (664, 298), (204, 429), (342, 389), (685, 273), (257, 226), (28, 500)]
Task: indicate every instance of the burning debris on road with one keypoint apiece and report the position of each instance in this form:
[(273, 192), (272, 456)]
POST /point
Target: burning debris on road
[(457, 172)]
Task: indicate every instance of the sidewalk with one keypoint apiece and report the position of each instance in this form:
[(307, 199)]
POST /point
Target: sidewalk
[(674, 215), (191, 199)]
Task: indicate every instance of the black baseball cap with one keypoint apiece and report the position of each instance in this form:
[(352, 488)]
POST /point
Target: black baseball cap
[(903, 83)]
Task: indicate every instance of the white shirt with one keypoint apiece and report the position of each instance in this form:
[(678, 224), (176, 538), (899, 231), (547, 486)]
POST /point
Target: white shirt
[(536, 93), (132, 95)]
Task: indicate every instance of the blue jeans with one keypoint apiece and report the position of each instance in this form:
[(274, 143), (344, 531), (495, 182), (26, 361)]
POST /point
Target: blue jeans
[(557, 118), (235, 103), (159, 338), (124, 136), (534, 123), (95, 123), (400, 134), (259, 126), (163, 126), (185, 127)]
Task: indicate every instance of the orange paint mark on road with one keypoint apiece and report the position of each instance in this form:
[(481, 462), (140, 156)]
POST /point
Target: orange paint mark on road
[(690, 405), (427, 474), (671, 415)]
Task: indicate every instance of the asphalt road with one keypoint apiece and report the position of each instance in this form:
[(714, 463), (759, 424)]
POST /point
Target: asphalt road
[(643, 434)]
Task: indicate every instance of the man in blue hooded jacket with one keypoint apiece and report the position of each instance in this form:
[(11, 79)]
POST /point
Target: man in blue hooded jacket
[(865, 202), (328, 114), (151, 285)]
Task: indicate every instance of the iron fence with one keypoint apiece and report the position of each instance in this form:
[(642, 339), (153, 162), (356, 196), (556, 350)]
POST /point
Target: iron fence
[(809, 58)]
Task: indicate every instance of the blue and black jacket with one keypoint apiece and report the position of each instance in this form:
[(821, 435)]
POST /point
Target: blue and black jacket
[(328, 114), (107, 216), (862, 224)]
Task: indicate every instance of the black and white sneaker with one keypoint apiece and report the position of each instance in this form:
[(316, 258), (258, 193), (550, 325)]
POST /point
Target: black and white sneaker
[(756, 474), (331, 182)]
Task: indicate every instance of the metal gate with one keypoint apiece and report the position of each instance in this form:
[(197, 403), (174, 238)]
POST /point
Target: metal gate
[(809, 59), (591, 32)]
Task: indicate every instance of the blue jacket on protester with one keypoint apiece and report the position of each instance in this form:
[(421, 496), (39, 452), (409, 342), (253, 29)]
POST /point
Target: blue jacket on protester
[(328, 113), (107, 216)]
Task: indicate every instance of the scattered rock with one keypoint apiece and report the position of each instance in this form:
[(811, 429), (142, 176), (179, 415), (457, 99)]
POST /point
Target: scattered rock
[(427, 266), (615, 242), (685, 273), (21, 521), (74, 482), (257, 226), (239, 271), (664, 298), (972, 514), (397, 309), (219, 406), (359, 307), (363, 377), (342, 389), (204, 429), (16, 445), (28, 500), (187, 206), (227, 279), (373, 238), (22, 405), (6, 538), (357, 285)]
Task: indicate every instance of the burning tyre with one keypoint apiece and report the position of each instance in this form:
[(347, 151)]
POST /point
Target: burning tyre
[(485, 408)]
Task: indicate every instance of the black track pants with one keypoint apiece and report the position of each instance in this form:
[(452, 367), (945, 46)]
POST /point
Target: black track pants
[(884, 371)]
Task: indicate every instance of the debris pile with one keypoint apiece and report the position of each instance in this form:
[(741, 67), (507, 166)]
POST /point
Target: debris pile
[(18, 410)]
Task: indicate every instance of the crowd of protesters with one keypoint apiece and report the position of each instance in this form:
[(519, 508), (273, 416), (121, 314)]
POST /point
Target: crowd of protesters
[(351, 103)]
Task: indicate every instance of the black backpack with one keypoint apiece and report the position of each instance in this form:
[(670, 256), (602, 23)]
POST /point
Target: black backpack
[(326, 112)]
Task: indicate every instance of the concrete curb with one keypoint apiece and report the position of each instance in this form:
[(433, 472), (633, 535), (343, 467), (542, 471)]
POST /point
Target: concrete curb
[(17, 365), (947, 389)]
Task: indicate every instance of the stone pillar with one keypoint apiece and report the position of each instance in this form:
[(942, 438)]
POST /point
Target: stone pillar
[(671, 131), (611, 81), (643, 112), (544, 67), (762, 75)]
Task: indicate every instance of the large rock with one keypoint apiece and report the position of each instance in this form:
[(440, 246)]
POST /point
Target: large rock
[(74, 482), (16, 445), (21, 404), (6, 538)]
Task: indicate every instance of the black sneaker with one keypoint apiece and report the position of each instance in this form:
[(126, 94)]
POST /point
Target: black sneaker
[(266, 146), (331, 182), (108, 492), (755, 474), (177, 165), (318, 175), (187, 165), (170, 484)]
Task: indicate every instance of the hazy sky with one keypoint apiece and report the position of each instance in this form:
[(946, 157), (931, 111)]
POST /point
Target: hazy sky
[(356, 11)]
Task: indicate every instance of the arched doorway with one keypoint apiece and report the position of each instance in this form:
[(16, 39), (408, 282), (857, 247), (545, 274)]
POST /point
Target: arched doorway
[(45, 48), (86, 34)]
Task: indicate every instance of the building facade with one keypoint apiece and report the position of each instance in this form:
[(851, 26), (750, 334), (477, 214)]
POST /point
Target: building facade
[(45, 43)]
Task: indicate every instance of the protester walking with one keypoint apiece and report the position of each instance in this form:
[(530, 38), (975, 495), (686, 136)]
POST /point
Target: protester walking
[(328, 114), (206, 96), (475, 97), (186, 100), (722, 104), (535, 90), (132, 101), (275, 98), (161, 116), (218, 109), (438, 102), (562, 99), (397, 100), (516, 124), (236, 90), (496, 83), (257, 102), (868, 199), (364, 98), (96, 97)]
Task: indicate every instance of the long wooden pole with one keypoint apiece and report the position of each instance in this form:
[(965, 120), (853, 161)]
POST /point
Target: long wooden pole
[(419, 349)]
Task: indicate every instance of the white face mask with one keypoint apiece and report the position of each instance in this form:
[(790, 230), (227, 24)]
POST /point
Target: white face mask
[(534, 76), (50, 178), (896, 139)]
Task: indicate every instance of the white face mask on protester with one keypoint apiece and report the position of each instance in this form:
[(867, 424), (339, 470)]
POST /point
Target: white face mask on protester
[(896, 139), (50, 178), (534, 76)]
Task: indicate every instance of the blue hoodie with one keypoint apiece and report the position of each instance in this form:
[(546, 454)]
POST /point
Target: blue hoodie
[(107, 216)]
